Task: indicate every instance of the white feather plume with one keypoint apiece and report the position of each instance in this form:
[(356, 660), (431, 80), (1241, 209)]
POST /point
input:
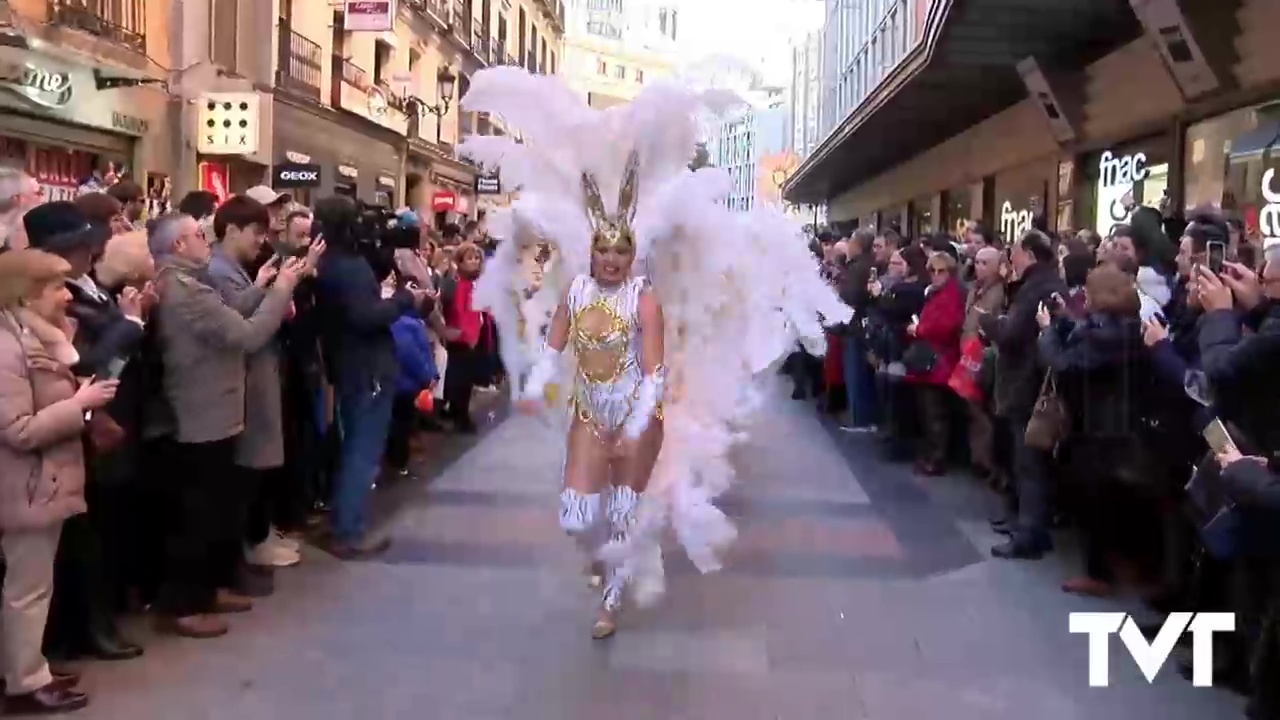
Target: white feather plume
[(738, 290)]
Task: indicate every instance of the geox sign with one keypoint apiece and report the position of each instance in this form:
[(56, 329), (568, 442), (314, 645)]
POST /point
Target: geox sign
[(295, 175)]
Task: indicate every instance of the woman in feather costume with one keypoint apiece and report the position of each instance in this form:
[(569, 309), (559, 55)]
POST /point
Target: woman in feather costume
[(650, 329)]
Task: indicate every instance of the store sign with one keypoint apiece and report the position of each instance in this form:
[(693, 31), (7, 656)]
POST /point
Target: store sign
[(37, 83), (1269, 215), (228, 123), (1117, 177), (489, 184), (443, 201), (1013, 223), (129, 123), (215, 177), (295, 175), (369, 15)]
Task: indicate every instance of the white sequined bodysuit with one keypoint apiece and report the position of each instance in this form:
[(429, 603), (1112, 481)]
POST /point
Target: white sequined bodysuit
[(604, 330)]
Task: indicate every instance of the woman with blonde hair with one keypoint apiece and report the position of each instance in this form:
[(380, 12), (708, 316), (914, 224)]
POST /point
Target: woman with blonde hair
[(43, 413)]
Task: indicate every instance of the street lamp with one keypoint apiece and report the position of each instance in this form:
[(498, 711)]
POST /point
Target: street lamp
[(445, 83)]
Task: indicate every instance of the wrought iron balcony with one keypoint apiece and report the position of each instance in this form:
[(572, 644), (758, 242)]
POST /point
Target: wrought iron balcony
[(346, 72), (480, 45), (513, 61), (123, 22), (461, 21), (438, 9), (299, 69)]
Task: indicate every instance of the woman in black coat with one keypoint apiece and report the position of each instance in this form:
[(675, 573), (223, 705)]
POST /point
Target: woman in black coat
[(1102, 375)]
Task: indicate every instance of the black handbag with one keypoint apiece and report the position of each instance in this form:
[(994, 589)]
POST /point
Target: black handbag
[(919, 358)]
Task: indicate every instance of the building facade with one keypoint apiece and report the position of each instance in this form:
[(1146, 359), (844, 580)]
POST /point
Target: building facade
[(750, 144), (864, 40), (82, 93), (1173, 109), (345, 97), (805, 94), (613, 47)]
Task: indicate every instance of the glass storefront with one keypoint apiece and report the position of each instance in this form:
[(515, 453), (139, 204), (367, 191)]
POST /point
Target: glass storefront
[(1115, 181), (923, 221), (1020, 195), (1227, 163), (958, 207), (893, 218)]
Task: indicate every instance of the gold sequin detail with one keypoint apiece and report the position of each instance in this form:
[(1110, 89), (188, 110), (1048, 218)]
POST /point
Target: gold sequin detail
[(600, 339)]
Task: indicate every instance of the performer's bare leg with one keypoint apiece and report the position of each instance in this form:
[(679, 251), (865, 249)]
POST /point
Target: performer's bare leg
[(582, 501), (631, 467)]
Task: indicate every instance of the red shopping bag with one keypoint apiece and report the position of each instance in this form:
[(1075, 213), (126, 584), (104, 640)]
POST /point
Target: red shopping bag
[(964, 379)]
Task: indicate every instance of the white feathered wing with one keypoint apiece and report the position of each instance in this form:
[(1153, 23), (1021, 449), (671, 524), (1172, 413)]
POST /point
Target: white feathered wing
[(738, 290)]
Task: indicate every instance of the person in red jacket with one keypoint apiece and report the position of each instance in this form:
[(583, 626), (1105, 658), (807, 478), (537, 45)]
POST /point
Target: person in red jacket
[(464, 327), (938, 330)]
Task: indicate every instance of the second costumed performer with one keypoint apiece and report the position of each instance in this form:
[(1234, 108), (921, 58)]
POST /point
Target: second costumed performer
[(650, 329)]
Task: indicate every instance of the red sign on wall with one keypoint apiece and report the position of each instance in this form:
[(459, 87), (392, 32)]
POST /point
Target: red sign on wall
[(443, 201), (216, 178)]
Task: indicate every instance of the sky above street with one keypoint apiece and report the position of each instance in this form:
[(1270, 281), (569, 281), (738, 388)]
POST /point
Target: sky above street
[(756, 31)]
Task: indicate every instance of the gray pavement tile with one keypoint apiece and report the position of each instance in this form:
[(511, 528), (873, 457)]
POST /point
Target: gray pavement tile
[(480, 612)]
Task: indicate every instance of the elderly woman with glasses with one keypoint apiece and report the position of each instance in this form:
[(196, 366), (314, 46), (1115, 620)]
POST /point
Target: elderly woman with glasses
[(932, 355), (43, 414)]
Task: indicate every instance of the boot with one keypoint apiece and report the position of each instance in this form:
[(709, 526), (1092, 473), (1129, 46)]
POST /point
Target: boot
[(621, 513)]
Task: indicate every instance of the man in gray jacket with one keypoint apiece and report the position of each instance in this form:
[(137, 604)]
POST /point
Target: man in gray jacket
[(204, 344), (240, 226)]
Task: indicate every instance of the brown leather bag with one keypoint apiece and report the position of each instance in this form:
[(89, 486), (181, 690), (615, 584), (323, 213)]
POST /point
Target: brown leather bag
[(1049, 422)]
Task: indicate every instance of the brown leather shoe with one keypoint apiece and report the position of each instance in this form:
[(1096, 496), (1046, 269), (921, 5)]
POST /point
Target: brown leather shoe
[(227, 601), (48, 700), (199, 627)]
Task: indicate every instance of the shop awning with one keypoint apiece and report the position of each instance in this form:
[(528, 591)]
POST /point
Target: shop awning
[(963, 71)]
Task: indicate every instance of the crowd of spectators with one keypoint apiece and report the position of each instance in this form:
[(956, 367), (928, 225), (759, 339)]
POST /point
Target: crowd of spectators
[(1120, 387), (185, 399)]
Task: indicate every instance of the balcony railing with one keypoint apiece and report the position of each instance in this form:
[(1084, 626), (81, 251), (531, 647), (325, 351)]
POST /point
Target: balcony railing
[(513, 61), (299, 69), (437, 8), (123, 22), (480, 45), (461, 21), (346, 72)]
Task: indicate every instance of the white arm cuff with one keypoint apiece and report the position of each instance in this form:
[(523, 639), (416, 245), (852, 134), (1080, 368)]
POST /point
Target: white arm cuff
[(543, 372), (649, 395)]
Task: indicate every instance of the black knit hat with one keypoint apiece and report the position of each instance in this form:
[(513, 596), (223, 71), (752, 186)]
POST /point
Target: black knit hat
[(61, 228)]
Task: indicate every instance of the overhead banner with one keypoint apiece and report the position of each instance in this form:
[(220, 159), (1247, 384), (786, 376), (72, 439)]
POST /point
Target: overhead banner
[(369, 15)]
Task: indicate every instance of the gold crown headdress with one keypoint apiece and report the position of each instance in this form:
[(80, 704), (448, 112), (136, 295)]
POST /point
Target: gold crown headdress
[(613, 231)]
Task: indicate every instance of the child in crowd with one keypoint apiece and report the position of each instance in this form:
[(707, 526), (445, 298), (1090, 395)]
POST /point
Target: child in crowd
[(417, 375)]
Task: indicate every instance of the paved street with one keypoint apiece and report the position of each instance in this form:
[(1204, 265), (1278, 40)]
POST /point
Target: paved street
[(855, 591)]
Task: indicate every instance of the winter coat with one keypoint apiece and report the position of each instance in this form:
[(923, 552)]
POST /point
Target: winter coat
[(941, 319), (415, 353), (41, 426)]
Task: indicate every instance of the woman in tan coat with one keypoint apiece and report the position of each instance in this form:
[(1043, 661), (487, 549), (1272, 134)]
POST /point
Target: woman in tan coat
[(43, 411)]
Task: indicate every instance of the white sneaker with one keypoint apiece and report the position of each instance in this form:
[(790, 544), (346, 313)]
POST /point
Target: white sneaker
[(278, 538), (267, 554)]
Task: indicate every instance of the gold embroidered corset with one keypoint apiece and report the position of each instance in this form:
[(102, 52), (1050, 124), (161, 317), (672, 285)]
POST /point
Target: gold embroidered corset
[(604, 332)]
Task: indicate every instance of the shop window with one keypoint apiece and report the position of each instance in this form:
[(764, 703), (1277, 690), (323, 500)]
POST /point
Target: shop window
[(1118, 180), (922, 220), (1228, 158), (958, 209)]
